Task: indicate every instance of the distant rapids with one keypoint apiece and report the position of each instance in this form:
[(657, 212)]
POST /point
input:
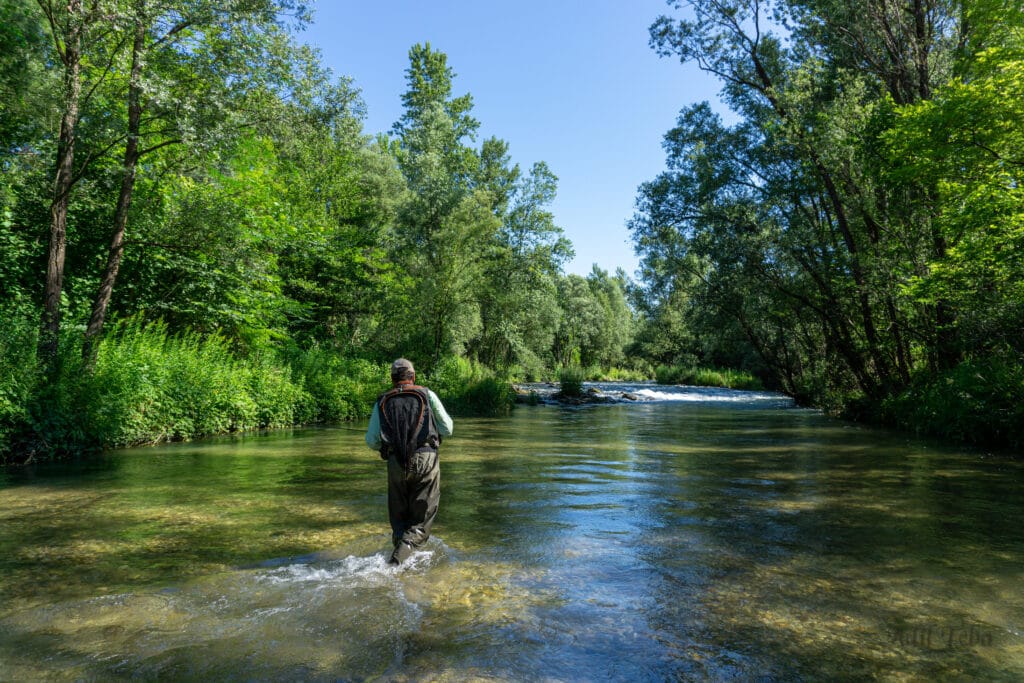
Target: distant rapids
[(646, 392)]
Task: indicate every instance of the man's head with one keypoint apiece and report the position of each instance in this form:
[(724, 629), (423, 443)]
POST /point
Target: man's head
[(402, 371)]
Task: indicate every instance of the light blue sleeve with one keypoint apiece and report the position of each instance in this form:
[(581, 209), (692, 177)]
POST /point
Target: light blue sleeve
[(373, 430), (444, 423)]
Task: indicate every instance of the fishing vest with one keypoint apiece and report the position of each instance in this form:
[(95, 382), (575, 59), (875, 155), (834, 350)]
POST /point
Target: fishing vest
[(406, 422)]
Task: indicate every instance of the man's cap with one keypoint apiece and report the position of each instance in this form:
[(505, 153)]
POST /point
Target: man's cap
[(402, 368)]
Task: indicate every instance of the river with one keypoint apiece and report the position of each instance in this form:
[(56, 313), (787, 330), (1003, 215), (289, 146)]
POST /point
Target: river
[(697, 534)]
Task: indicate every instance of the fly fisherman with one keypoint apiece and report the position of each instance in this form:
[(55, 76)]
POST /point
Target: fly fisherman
[(406, 426)]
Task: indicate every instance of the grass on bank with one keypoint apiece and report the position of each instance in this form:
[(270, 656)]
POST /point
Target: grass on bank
[(571, 378), (706, 377), (148, 386)]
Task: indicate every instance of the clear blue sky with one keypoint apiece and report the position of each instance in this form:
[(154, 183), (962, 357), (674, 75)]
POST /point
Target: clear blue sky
[(571, 83)]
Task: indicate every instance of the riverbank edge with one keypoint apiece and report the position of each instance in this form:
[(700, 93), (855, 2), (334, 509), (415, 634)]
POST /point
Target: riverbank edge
[(146, 386), (977, 403), (28, 445), (470, 391)]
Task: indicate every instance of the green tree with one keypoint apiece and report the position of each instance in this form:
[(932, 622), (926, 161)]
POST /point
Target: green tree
[(615, 329), (579, 323), (336, 265), (186, 62), (787, 220), (73, 28), (968, 143), (519, 308), (446, 226)]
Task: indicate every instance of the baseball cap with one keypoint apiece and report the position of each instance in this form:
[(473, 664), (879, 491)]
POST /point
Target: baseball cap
[(402, 369)]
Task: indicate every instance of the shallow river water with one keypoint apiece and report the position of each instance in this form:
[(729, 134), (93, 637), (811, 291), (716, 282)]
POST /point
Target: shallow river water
[(704, 535)]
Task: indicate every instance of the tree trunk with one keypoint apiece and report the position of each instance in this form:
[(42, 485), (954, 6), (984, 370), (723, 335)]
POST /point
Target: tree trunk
[(922, 46), (874, 346), (124, 198), (70, 54)]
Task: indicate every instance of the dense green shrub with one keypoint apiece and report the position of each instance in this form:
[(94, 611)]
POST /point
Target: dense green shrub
[(979, 401), (487, 397), (450, 377), (706, 377), (19, 374), (123, 399), (147, 386), (144, 386), (340, 388), (280, 400), (468, 388), (571, 380), (58, 425)]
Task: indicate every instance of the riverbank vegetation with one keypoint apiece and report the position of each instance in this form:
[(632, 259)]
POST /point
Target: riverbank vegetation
[(854, 234), (706, 377), (196, 234)]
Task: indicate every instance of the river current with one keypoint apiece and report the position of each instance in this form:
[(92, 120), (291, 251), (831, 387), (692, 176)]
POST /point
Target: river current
[(680, 534)]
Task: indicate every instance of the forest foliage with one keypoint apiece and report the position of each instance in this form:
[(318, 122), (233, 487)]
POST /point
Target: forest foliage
[(197, 235), (855, 234)]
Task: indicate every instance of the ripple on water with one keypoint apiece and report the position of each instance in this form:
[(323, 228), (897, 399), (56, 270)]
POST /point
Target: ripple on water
[(296, 620), (689, 539)]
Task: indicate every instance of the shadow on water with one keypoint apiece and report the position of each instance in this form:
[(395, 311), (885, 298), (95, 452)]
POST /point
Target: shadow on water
[(151, 515), (836, 557), (656, 541)]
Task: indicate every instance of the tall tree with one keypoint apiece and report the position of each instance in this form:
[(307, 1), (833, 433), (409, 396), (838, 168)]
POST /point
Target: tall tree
[(346, 190), (596, 324), (615, 328), (186, 61), (445, 229), (791, 208), (520, 310), (72, 28), (967, 143)]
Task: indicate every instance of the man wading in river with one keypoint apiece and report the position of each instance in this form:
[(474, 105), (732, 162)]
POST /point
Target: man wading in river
[(406, 426)]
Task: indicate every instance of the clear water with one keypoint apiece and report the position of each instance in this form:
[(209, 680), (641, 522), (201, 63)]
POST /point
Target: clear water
[(697, 534)]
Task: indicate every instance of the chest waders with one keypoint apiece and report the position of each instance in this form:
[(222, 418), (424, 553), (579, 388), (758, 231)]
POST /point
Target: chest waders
[(409, 442)]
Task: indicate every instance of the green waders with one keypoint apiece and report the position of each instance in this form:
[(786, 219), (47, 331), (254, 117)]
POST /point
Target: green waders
[(413, 496)]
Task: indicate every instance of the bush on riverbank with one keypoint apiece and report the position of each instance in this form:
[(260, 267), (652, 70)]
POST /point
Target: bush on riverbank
[(340, 388), (706, 377), (19, 374), (979, 402), (570, 379), (149, 386), (468, 388)]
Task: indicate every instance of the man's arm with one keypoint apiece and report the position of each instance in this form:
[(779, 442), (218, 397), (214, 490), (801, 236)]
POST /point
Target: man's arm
[(444, 423), (373, 430)]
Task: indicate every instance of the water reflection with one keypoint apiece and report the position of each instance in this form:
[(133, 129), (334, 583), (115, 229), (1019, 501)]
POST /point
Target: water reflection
[(660, 540)]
